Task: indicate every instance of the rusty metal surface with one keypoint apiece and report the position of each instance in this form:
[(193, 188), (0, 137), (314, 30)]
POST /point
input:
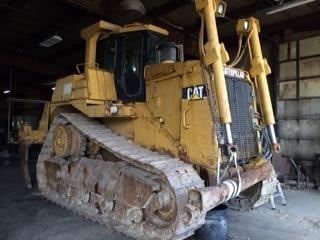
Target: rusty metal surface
[(287, 110), (309, 46), (299, 123), (253, 176), (210, 197), (299, 127), (102, 190), (288, 90), (304, 129), (288, 70)]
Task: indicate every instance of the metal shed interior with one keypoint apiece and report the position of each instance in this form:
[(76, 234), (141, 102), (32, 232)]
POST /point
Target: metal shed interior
[(290, 37), (32, 68)]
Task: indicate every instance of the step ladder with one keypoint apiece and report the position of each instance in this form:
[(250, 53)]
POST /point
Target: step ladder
[(278, 193)]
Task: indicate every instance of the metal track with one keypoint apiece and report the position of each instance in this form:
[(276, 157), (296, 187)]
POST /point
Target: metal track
[(179, 175)]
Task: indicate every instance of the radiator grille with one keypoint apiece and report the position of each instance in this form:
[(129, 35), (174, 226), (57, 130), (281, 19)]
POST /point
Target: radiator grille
[(243, 132)]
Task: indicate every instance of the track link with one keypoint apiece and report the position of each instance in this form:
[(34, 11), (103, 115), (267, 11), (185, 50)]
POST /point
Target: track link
[(179, 176)]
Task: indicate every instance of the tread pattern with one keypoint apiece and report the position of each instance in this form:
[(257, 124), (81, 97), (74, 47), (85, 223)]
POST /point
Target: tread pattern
[(180, 175)]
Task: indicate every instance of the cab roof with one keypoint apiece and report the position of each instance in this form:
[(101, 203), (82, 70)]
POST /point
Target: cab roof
[(107, 27)]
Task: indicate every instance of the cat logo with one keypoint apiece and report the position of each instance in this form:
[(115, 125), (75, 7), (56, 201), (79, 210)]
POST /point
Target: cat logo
[(194, 92)]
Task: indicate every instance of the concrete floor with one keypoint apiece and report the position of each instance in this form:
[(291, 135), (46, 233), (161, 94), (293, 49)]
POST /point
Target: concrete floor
[(26, 215)]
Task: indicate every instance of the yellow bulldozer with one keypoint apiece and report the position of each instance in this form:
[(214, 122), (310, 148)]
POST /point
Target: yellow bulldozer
[(148, 143)]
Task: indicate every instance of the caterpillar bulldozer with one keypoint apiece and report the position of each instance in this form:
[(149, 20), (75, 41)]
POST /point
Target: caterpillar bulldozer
[(148, 143)]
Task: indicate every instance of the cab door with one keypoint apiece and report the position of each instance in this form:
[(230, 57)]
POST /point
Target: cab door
[(129, 68)]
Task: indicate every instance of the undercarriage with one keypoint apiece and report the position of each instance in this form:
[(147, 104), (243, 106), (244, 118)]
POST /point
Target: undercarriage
[(114, 181)]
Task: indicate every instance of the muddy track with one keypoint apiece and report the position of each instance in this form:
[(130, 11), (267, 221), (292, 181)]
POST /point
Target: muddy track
[(179, 176)]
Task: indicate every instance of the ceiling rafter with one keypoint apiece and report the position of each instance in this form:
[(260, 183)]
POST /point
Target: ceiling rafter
[(94, 8), (6, 13), (37, 19), (77, 47), (52, 28), (294, 24), (248, 10), (175, 34), (167, 7), (232, 16), (33, 65)]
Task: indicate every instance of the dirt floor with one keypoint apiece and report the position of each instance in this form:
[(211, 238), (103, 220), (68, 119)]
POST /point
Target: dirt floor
[(24, 214), (300, 219)]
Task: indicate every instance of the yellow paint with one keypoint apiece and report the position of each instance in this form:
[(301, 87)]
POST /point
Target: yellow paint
[(101, 85), (215, 56), (259, 66), (165, 121), (27, 136)]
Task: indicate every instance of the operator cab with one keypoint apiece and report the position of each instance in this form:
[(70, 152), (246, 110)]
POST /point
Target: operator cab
[(126, 54)]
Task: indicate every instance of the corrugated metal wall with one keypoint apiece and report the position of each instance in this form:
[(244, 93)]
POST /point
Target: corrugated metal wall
[(298, 105)]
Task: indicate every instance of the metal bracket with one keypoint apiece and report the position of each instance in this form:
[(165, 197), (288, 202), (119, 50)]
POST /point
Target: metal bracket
[(259, 66), (201, 4), (213, 52)]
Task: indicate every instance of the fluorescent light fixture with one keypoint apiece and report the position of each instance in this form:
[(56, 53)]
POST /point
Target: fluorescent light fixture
[(246, 25), (53, 40), (287, 6), (6, 91), (221, 9)]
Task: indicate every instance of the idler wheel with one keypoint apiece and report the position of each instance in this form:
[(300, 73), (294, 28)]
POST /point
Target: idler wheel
[(65, 140), (162, 209)]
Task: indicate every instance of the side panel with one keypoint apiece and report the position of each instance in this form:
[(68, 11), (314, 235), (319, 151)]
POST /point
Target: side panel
[(101, 85), (197, 134), (197, 129), (97, 84), (87, 92), (185, 123), (148, 131), (122, 126), (158, 123), (164, 102), (63, 88)]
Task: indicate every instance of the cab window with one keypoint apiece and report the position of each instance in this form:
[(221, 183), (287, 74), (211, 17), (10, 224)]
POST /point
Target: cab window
[(106, 54), (133, 83)]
